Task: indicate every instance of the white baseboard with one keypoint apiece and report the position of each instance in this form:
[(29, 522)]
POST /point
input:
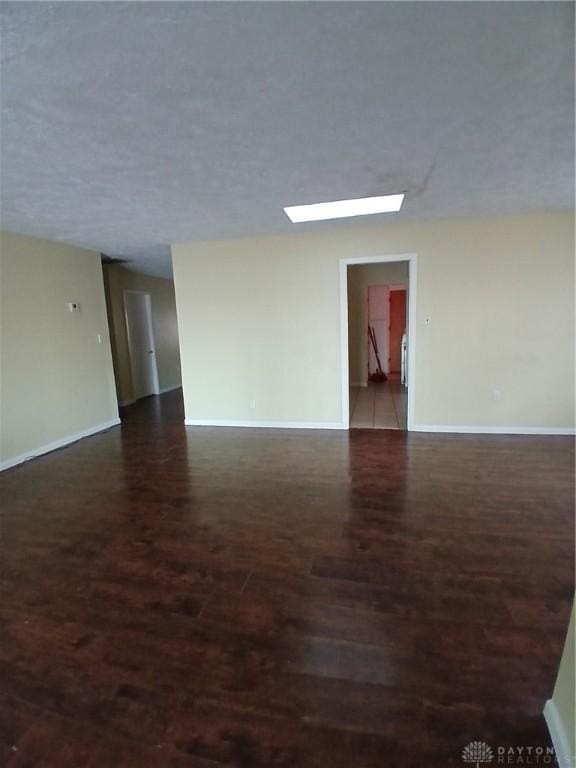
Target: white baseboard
[(169, 389), (416, 428), (265, 424), (124, 403), (558, 735), (358, 383), (481, 430), (57, 444)]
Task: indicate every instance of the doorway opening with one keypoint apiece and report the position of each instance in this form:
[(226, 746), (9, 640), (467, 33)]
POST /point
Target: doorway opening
[(143, 329), (141, 346), (378, 308)]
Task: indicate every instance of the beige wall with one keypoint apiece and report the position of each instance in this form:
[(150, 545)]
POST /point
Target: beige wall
[(563, 699), (261, 319), (117, 279), (359, 279), (56, 377)]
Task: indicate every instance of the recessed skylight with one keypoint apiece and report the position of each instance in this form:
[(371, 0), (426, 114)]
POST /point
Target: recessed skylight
[(341, 209)]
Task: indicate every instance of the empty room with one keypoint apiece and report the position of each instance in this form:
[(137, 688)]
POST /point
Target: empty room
[(287, 404)]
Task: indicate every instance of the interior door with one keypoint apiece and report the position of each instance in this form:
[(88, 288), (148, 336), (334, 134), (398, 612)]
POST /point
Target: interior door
[(378, 319), (397, 328), (141, 344)]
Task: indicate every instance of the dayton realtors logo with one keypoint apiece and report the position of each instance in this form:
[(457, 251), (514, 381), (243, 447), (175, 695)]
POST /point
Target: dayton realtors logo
[(477, 752)]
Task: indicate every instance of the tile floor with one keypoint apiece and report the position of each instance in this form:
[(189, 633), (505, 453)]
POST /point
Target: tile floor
[(378, 406)]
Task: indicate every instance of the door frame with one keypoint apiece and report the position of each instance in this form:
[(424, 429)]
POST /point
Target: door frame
[(412, 259), (389, 288), (148, 304)]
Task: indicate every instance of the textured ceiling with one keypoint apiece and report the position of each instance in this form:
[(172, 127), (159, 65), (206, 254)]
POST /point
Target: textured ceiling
[(129, 126)]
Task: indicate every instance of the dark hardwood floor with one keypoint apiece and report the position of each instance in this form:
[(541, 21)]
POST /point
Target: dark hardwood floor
[(265, 599)]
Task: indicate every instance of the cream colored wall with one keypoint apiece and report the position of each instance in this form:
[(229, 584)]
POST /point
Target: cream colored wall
[(56, 379), (359, 279), (260, 317), (164, 322), (565, 691)]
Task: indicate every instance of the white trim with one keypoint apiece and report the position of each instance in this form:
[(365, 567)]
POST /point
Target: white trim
[(558, 735), (57, 444), (265, 424), (150, 330), (378, 259), (124, 403), (415, 428), (412, 260), (481, 430), (169, 389), (359, 384)]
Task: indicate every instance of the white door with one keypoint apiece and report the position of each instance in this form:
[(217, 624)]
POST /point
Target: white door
[(141, 343), (378, 319)]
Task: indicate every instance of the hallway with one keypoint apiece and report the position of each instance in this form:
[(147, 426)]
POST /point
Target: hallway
[(211, 597)]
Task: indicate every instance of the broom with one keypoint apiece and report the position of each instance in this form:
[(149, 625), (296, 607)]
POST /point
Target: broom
[(379, 375)]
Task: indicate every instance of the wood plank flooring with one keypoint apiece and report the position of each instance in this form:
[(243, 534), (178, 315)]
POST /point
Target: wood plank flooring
[(202, 598)]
